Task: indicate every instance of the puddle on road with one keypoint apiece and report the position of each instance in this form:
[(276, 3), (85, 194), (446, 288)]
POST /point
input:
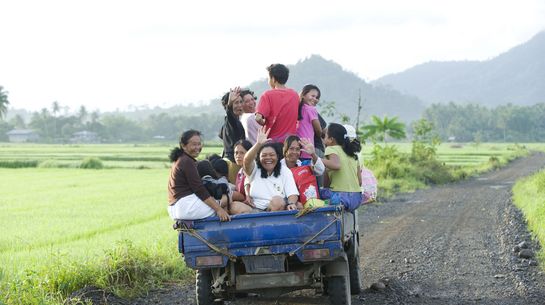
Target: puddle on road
[(497, 187)]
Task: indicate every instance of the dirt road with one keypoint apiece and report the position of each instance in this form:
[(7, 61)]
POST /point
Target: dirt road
[(451, 244)]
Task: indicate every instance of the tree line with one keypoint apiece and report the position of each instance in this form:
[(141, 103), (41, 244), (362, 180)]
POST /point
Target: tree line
[(53, 127), (461, 123), (475, 123)]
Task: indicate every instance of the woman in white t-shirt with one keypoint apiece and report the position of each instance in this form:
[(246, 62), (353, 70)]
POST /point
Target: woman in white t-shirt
[(272, 186)]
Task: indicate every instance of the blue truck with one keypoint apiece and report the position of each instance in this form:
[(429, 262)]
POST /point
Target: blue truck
[(273, 253)]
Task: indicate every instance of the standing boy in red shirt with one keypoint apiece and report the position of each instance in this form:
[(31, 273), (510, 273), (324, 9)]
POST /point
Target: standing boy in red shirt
[(278, 107)]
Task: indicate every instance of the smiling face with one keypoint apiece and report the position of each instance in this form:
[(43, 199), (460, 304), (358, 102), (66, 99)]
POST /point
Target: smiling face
[(311, 98), (328, 141), (237, 106), (193, 147), (240, 152), (268, 159), (293, 153), (248, 103)]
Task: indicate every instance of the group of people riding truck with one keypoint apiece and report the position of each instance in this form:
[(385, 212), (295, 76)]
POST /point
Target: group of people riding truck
[(277, 155)]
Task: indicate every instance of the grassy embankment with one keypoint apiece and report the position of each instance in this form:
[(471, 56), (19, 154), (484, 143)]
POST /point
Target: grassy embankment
[(453, 162), (529, 197)]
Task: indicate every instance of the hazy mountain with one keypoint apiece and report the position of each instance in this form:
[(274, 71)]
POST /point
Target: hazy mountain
[(516, 76), (343, 88)]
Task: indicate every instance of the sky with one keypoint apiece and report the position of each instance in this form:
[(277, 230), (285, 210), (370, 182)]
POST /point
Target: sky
[(120, 54)]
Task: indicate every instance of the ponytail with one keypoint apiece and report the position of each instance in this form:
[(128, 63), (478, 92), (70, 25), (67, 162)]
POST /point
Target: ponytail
[(300, 110), (339, 133), (352, 147), (175, 153)]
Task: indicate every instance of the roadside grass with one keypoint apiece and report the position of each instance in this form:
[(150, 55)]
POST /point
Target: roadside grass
[(63, 229), (529, 197)]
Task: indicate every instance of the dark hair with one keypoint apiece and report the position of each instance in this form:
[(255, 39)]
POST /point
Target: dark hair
[(247, 91), (279, 72), (177, 152), (244, 143), (213, 157), (338, 132), (287, 143), (221, 167), (306, 89), (205, 168), (276, 170), (225, 101)]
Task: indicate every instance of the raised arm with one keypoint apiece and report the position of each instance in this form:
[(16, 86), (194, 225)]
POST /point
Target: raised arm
[(233, 95), (249, 158), (318, 166)]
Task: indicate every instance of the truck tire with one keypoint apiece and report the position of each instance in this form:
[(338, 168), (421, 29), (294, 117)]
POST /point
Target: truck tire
[(203, 288), (354, 268), (338, 290)]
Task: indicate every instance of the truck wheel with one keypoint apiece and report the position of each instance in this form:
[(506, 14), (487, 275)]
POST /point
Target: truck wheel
[(354, 269), (338, 290), (203, 287)]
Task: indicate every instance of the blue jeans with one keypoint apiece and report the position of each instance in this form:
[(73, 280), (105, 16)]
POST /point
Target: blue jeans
[(350, 200)]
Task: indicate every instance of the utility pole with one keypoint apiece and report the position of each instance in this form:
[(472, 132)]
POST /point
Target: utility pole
[(359, 110)]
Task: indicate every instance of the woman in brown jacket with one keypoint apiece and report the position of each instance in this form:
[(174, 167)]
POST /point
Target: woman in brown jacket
[(187, 196)]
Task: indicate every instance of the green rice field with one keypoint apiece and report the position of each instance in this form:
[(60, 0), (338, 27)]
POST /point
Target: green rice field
[(147, 156), (52, 217)]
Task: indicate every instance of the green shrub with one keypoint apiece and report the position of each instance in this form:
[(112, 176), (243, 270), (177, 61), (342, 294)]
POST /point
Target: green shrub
[(432, 172), (91, 163), (18, 163), (495, 162), (129, 271), (50, 163), (126, 270)]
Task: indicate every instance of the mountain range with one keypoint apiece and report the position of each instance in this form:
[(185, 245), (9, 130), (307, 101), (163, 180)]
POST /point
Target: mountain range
[(516, 76), (344, 89)]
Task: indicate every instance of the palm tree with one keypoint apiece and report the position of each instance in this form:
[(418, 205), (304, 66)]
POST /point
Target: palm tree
[(82, 114), (55, 108), (3, 102), (380, 129)]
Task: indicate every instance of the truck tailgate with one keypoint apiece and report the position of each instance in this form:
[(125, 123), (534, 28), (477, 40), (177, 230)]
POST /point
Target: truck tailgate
[(264, 233)]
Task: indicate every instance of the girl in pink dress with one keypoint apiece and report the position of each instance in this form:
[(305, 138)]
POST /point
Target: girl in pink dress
[(308, 124)]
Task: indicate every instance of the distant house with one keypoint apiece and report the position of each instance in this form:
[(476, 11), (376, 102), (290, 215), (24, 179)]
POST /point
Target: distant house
[(84, 137), (22, 135)]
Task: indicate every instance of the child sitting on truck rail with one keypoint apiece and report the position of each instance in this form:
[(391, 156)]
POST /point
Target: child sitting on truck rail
[(343, 170)]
